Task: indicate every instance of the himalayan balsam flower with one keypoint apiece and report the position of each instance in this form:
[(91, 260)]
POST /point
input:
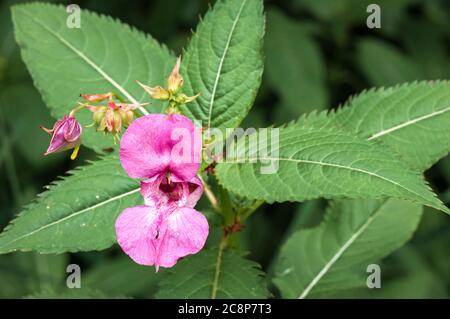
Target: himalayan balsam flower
[(65, 135), (163, 150)]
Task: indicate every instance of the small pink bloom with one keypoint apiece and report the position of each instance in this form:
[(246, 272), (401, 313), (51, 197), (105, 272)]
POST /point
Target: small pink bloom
[(165, 152), (65, 135)]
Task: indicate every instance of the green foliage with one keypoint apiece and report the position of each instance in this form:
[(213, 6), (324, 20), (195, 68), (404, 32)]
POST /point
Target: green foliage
[(300, 81), (103, 55), (23, 111), (70, 294), (325, 163), (413, 119), (383, 64), (76, 213), (21, 274), (317, 52), (334, 255), (121, 276), (223, 63), (214, 273)]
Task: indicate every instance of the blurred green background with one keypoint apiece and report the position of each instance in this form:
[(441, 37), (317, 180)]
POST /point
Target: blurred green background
[(317, 54)]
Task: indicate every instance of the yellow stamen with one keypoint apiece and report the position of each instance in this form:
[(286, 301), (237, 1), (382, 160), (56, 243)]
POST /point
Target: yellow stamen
[(75, 152)]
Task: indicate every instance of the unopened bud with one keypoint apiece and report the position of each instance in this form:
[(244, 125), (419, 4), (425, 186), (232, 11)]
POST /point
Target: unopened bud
[(183, 98), (113, 121), (65, 135), (175, 80), (157, 92)]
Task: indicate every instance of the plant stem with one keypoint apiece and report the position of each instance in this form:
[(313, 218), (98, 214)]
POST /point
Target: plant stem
[(226, 207), (210, 195), (215, 285)]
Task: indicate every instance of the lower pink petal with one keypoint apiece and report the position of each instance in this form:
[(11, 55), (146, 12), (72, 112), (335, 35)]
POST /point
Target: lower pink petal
[(136, 229), (182, 233)]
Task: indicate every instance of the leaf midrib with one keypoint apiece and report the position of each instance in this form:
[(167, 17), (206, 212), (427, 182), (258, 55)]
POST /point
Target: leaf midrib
[(407, 123), (340, 252), (91, 63), (222, 59), (109, 200), (337, 166)]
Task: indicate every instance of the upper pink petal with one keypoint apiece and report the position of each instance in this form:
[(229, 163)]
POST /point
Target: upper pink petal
[(158, 143), (182, 232), (136, 229), (186, 148)]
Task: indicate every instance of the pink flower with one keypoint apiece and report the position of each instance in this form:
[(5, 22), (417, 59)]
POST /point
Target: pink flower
[(65, 135), (165, 152)]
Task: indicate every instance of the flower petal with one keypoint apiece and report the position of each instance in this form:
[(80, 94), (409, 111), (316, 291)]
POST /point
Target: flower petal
[(136, 229), (182, 232), (153, 195), (155, 144), (157, 192), (193, 190)]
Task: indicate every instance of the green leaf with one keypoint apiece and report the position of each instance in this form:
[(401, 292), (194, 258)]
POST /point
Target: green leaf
[(71, 294), (383, 64), (121, 276), (415, 278), (320, 261), (102, 55), (413, 119), (21, 274), (223, 63), (294, 68), (343, 14), (76, 213), (316, 162), (23, 110), (214, 274)]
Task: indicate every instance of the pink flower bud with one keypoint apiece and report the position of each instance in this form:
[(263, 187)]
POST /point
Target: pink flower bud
[(65, 135)]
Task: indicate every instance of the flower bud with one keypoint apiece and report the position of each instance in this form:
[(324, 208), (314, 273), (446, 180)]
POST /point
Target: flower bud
[(113, 121), (183, 98), (157, 92), (127, 117), (65, 135), (175, 80), (99, 114), (110, 118)]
